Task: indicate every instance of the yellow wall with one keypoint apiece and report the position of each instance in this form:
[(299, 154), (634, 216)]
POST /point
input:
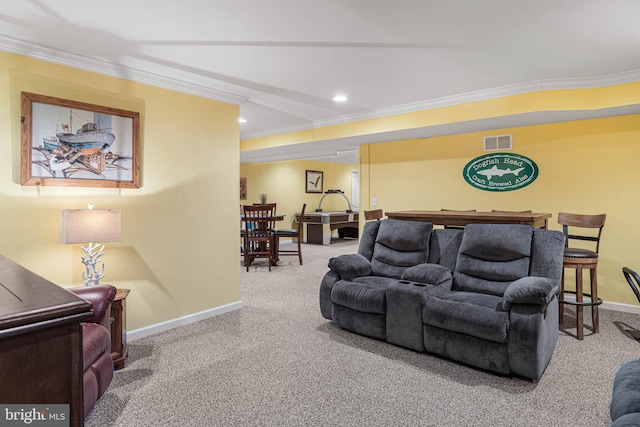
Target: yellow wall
[(174, 255), (585, 166), (284, 184)]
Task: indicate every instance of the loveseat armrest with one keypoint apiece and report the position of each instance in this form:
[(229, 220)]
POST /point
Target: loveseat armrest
[(101, 297), (432, 274), (530, 290), (350, 266)]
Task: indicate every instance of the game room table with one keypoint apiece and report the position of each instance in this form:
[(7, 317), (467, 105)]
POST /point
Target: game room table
[(460, 219)]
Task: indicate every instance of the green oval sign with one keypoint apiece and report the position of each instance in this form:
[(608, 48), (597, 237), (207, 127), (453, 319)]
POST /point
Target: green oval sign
[(500, 172)]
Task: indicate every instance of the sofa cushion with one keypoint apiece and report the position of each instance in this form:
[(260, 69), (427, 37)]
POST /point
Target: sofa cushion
[(626, 390), (368, 238), (101, 297), (444, 247), (492, 302), (362, 297), (376, 281), (473, 351), (492, 256), (627, 420), (103, 370), (95, 341), (469, 319), (547, 253), (432, 274), (90, 391), (399, 245), (349, 266)]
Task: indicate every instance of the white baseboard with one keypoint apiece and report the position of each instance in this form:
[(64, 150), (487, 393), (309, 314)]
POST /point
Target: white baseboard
[(618, 306), (195, 317), (181, 321)]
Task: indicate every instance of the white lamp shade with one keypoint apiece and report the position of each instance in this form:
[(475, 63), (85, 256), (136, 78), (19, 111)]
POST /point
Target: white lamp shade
[(89, 225)]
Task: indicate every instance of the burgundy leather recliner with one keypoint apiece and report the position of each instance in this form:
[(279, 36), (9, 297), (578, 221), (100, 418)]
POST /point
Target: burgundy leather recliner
[(97, 364)]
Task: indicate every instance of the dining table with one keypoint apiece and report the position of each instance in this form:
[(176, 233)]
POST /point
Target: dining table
[(462, 218)]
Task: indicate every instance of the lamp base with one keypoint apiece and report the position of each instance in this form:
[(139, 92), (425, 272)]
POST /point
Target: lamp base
[(91, 259)]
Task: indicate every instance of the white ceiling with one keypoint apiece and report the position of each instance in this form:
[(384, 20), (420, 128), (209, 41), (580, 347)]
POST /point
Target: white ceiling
[(283, 60)]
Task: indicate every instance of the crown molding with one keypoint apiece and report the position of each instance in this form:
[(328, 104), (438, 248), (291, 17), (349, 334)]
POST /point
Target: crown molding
[(591, 82), (44, 53), (334, 149), (279, 131), (464, 98), (485, 94), (203, 88)]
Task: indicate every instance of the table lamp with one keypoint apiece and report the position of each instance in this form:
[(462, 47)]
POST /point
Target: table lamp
[(90, 226)]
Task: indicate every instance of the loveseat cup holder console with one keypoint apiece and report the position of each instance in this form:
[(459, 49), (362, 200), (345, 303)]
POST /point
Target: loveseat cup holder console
[(404, 314)]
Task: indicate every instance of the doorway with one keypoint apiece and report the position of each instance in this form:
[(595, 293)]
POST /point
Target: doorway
[(355, 190)]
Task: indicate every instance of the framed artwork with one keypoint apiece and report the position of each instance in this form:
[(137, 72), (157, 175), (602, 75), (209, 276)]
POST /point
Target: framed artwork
[(75, 144), (243, 188), (314, 182)]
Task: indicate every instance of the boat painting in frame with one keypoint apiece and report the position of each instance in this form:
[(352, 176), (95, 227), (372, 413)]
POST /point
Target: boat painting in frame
[(75, 144)]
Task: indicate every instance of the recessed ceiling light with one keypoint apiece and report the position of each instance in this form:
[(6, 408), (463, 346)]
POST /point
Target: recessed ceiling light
[(241, 120), (340, 98)]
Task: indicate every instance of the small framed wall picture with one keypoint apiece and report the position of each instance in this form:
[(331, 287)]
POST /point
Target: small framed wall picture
[(243, 188), (314, 182)]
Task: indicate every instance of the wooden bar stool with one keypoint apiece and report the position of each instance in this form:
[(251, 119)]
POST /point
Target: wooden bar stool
[(580, 259)]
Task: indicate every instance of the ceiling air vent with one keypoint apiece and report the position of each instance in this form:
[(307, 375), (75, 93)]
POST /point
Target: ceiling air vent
[(498, 142)]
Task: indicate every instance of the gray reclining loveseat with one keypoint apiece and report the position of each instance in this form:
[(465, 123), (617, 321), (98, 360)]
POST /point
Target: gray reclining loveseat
[(484, 296)]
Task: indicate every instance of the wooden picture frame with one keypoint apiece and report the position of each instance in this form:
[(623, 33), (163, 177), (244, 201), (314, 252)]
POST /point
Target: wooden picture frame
[(75, 144), (243, 188), (313, 183)]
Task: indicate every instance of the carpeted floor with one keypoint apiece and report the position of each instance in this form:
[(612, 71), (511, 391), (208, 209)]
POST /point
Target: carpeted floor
[(277, 362)]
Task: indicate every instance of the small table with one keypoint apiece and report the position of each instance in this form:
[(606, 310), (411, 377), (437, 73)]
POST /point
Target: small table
[(119, 347)]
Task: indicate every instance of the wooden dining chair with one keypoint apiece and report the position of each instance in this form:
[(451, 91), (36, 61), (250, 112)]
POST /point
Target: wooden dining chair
[(375, 214), (456, 227), (242, 230), (499, 211), (259, 236), (633, 279), (292, 234), (634, 282), (271, 206)]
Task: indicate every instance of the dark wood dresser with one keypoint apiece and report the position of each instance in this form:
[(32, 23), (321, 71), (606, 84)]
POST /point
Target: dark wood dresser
[(40, 341)]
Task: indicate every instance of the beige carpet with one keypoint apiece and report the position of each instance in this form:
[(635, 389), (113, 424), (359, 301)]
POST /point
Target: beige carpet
[(277, 362)]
